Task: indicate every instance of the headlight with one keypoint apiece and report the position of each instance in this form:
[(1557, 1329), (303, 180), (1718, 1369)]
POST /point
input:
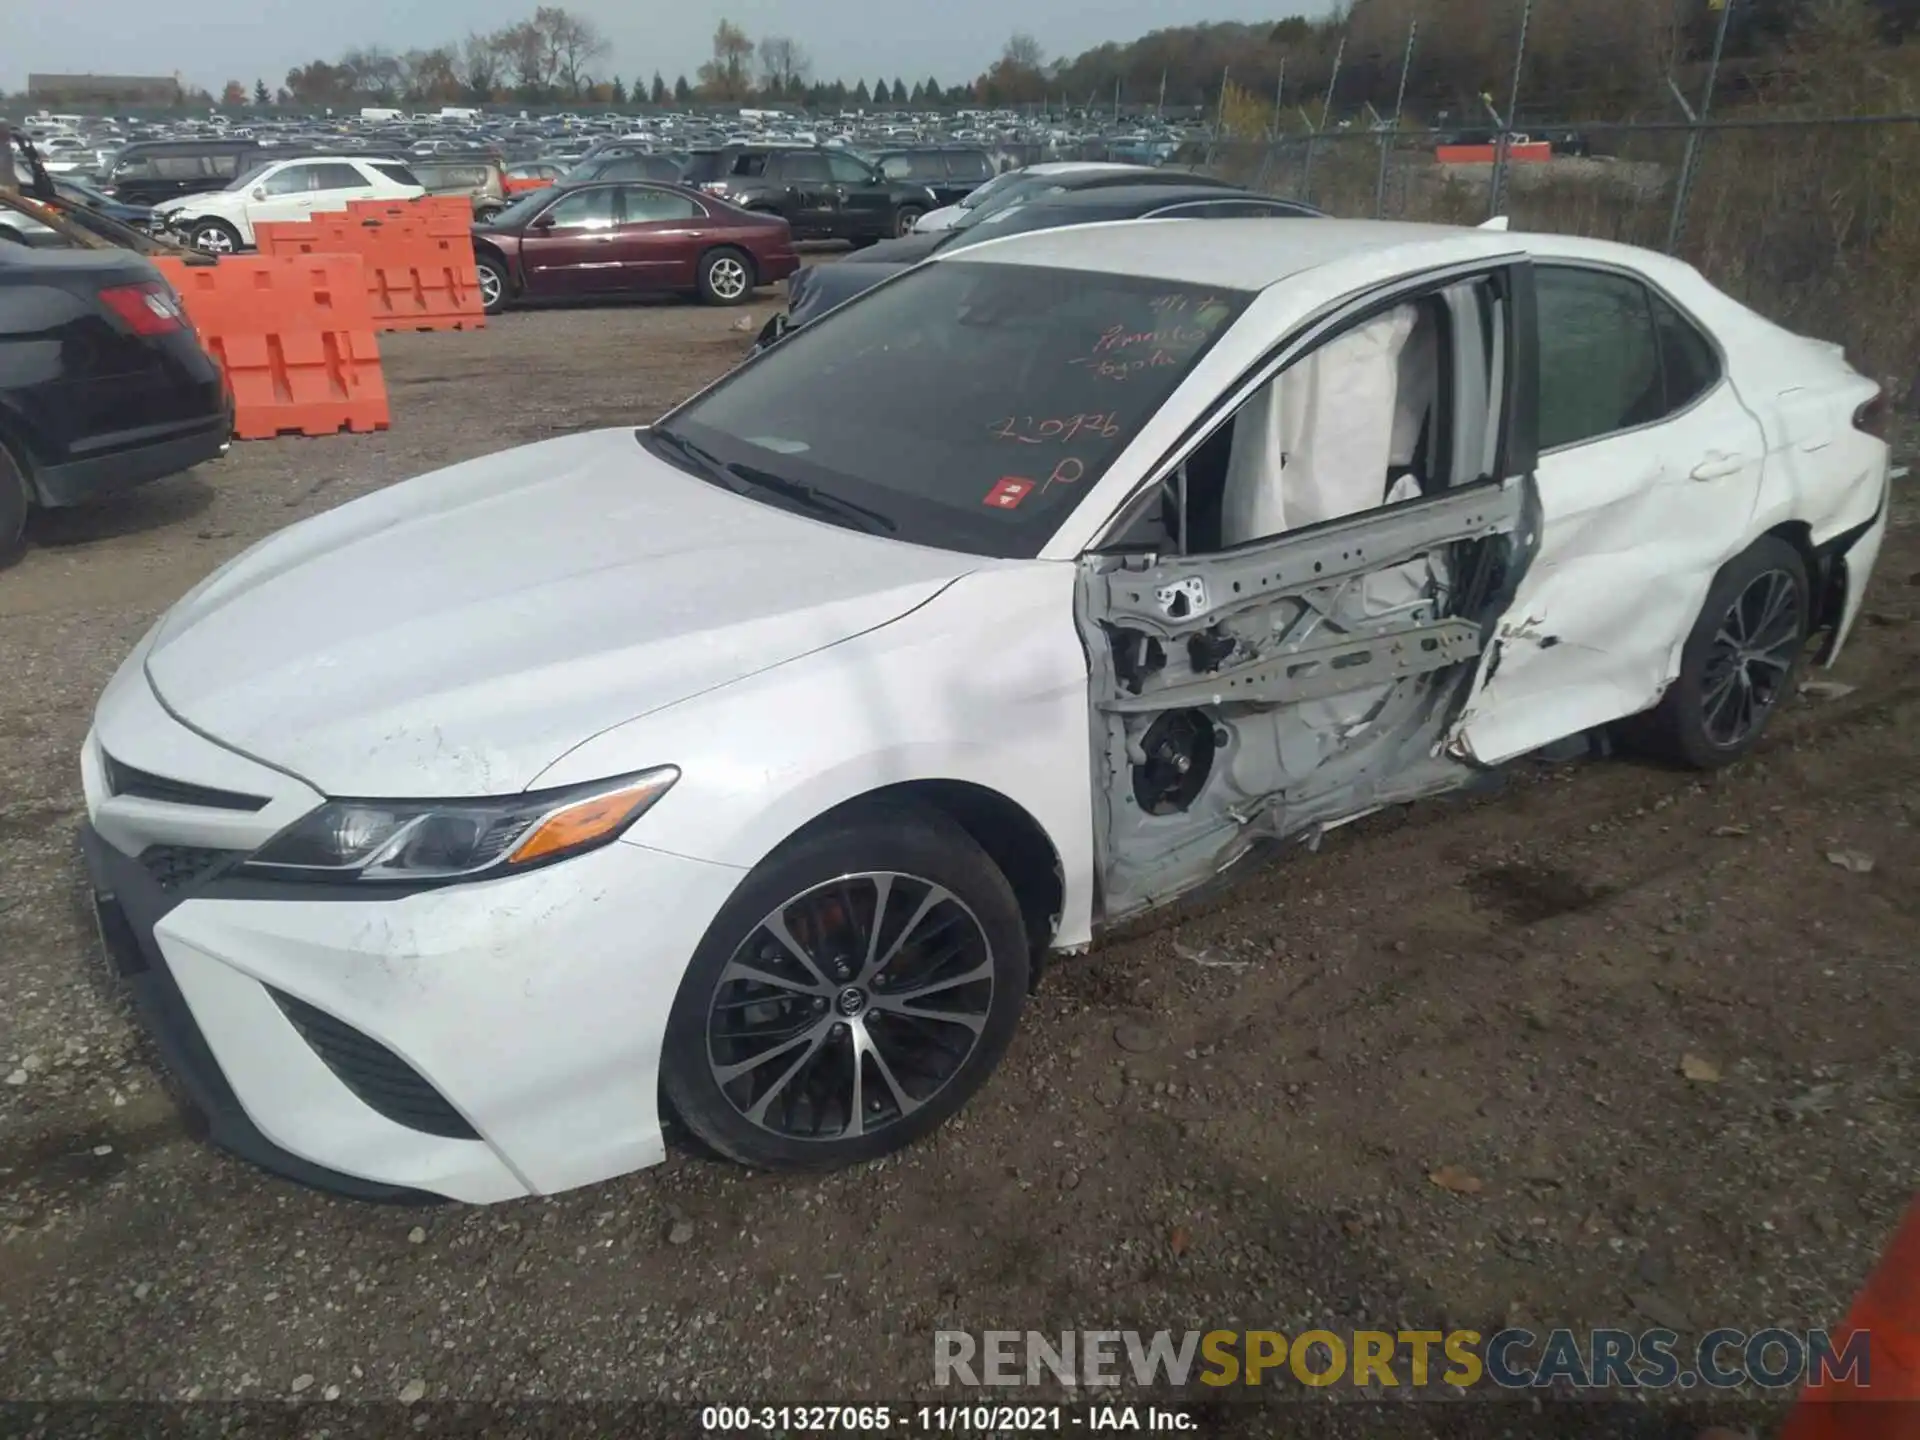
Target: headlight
[(433, 840)]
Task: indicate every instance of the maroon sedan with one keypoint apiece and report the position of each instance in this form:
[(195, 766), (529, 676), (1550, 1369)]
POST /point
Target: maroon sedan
[(628, 237)]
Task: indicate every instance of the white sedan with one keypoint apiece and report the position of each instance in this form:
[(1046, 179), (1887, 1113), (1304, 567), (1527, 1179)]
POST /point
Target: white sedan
[(748, 764)]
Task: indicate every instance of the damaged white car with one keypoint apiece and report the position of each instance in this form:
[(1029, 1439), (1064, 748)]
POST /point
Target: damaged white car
[(747, 763)]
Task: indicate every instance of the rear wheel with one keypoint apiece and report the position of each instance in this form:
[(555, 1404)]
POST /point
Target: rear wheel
[(216, 237), (904, 218), (854, 993), (492, 278), (726, 277), (1739, 663), (486, 214), (16, 500)]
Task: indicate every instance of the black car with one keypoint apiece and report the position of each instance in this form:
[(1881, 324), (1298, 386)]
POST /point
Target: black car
[(103, 384), (823, 193), (79, 192), (820, 288), (951, 172), (149, 171), (622, 165)]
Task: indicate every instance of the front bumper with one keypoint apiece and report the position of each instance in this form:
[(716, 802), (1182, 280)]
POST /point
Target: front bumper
[(314, 1026)]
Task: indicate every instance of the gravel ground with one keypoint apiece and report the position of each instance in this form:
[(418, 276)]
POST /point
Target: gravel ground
[(1228, 1117)]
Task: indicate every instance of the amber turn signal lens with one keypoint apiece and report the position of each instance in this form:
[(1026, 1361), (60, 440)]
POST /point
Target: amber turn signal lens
[(590, 821)]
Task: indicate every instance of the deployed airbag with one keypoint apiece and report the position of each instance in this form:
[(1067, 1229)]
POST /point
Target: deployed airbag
[(1319, 441)]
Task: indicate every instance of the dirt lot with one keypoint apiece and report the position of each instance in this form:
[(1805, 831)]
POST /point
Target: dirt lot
[(1506, 985)]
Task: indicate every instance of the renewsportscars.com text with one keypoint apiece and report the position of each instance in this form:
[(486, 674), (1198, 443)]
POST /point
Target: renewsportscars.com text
[(1513, 1359)]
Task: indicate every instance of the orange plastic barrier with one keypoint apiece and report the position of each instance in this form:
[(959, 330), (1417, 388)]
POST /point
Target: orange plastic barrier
[(294, 336), (1882, 1402), (1529, 152), (418, 255)]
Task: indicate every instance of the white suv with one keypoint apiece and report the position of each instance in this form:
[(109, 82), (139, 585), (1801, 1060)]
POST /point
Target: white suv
[(221, 221)]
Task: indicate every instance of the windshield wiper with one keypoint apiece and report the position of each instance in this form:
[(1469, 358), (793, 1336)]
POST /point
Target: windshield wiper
[(743, 479), (824, 502)]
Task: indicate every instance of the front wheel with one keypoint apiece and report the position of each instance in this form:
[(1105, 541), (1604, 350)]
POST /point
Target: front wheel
[(492, 279), (905, 218), (850, 997), (726, 277), (1739, 662), (215, 237)]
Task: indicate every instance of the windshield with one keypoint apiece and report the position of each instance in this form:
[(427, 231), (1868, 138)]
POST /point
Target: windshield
[(967, 406), (992, 188), (1025, 188), (247, 176), (523, 209)]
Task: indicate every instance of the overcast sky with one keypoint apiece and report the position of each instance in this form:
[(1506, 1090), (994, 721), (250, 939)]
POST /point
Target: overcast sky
[(209, 42)]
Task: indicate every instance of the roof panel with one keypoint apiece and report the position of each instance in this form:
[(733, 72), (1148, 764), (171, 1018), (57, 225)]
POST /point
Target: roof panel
[(1234, 254)]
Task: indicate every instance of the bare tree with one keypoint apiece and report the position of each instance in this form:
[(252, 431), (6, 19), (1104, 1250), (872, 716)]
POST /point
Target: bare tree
[(1023, 52), (573, 43), (479, 67), (784, 66), (524, 56), (432, 75), (725, 76)]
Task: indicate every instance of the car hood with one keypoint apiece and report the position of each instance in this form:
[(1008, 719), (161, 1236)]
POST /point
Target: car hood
[(456, 634), (181, 202)]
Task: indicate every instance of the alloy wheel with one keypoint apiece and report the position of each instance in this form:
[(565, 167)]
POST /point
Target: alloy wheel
[(1752, 655), (213, 240), (489, 287), (850, 1006), (728, 277)]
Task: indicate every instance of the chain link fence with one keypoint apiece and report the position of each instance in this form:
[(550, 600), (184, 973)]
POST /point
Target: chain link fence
[(1812, 220)]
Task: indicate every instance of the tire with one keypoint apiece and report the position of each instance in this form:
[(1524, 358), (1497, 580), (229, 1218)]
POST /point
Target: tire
[(950, 930), (726, 276), (904, 217), (16, 503), (491, 276), (215, 237), (486, 214), (1761, 595)]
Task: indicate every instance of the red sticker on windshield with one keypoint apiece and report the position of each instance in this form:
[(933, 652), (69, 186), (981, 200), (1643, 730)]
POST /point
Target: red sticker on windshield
[(1008, 492)]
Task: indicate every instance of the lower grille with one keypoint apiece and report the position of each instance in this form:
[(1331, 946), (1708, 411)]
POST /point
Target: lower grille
[(173, 866), (380, 1078)]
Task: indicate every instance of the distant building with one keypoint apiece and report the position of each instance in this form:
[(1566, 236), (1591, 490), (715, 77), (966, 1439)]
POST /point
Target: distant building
[(106, 90)]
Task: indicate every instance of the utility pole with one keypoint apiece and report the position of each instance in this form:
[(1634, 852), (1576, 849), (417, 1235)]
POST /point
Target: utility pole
[(1690, 163), (1497, 189), (1388, 141)]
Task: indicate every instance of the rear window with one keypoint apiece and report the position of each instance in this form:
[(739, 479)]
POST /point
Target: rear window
[(396, 172), (972, 405), (705, 165)]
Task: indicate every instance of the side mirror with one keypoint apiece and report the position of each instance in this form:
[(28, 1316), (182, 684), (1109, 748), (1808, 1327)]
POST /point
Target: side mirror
[(259, 192), (545, 222)]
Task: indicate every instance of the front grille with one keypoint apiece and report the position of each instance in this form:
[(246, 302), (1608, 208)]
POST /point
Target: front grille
[(125, 780), (174, 866), (379, 1077)]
